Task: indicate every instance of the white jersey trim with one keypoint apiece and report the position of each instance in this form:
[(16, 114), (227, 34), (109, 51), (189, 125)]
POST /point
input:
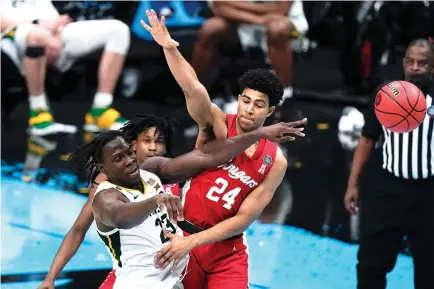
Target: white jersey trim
[(111, 232)]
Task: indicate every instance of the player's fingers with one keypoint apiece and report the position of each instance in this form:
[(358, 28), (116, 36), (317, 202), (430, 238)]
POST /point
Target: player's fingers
[(154, 16), (166, 264), (165, 260), (180, 209), (292, 131), (162, 256), (169, 209), (162, 252), (174, 210), (145, 25), (163, 21), (296, 131), (152, 19), (176, 207), (286, 139), (175, 264), (296, 123), (148, 13)]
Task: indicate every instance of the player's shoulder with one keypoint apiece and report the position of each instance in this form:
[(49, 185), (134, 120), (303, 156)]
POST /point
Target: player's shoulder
[(106, 191), (280, 160), (217, 112), (104, 185), (151, 179)]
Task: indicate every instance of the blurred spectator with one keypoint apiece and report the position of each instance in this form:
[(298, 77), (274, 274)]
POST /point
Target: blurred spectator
[(34, 35), (268, 25)]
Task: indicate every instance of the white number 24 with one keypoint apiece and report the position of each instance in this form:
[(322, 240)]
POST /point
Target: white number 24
[(228, 197)]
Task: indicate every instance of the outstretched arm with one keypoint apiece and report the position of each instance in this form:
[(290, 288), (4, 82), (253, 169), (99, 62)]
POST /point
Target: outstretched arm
[(249, 211), (217, 152), (211, 155), (199, 104), (73, 238)]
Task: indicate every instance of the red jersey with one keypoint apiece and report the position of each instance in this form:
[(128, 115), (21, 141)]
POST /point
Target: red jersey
[(172, 189), (217, 194)]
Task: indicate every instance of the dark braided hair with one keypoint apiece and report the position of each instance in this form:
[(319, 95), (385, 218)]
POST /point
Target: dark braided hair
[(142, 122), (89, 155)]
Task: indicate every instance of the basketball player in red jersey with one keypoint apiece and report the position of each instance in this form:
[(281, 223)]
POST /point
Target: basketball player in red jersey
[(150, 136), (226, 200)]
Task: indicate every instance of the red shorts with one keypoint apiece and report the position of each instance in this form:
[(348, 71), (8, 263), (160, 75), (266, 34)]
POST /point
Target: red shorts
[(109, 280), (222, 265)]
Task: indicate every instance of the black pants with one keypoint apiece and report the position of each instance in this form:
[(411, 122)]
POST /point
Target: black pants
[(391, 208)]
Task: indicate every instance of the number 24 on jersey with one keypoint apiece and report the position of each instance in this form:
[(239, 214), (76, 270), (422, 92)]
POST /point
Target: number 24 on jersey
[(219, 191)]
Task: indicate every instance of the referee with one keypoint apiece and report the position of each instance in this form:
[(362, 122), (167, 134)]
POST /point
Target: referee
[(401, 202)]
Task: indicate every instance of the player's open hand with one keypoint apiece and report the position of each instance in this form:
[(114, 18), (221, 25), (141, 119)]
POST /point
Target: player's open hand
[(173, 206), (158, 30), (283, 131), (177, 249)]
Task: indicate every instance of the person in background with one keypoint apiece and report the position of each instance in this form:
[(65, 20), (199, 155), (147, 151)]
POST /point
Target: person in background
[(268, 25), (34, 35)]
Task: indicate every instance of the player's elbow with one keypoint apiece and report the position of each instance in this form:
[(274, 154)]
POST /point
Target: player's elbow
[(245, 220), (194, 90), (78, 231)]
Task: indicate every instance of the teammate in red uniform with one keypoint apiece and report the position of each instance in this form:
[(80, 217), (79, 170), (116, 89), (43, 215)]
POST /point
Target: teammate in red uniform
[(226, 200), (150, 136)]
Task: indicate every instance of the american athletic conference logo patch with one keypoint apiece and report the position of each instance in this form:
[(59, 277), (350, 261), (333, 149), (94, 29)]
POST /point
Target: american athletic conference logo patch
[(267, 160)]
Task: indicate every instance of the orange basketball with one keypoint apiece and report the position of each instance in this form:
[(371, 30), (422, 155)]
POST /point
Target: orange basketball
[(400, 106)]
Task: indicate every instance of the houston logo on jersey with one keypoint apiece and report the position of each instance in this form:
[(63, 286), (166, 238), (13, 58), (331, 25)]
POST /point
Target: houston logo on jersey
[(235, 173)]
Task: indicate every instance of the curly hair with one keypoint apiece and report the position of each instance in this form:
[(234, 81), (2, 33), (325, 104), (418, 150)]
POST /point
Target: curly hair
[(265, 81), (142, 122)]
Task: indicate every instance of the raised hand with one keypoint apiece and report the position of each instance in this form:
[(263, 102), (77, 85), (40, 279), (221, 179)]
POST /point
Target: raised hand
[(158, 30), (282, 131)]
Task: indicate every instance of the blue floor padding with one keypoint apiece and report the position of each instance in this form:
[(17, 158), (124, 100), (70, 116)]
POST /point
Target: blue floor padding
[(32, 284), (35, 219)]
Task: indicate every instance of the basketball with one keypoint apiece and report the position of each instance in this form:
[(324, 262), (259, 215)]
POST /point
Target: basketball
[(400, 106)]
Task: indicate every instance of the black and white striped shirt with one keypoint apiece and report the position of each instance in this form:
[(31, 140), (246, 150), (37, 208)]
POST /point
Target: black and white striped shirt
[(405, 155)]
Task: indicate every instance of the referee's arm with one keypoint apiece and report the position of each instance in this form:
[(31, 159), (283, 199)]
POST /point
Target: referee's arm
[(370, 133)]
